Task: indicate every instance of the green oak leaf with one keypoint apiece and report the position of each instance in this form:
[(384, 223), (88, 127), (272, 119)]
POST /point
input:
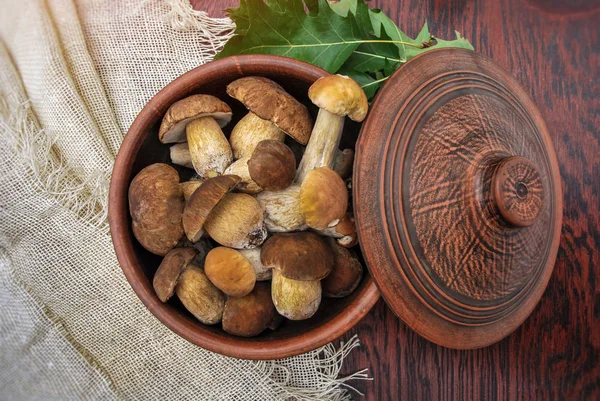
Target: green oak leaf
[(345, 37), (322, 38)]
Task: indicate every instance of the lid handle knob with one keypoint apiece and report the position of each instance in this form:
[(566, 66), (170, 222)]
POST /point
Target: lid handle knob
[(518, 191)]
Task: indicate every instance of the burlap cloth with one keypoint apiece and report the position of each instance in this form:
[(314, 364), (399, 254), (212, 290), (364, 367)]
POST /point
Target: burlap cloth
[(73, 76)]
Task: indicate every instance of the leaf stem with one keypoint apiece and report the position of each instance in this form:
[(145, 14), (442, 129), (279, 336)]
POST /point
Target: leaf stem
[(291, 45), (375, 82)]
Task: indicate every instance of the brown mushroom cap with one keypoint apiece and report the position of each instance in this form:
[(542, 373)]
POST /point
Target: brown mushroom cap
[(249, 315), (299, 256), (269, 101), (172, 128), (229, 271), (272, 165), (237, 222), (169, 270), (294, 299), (340, 95), (203, 201), (323, 198), (156, 206), (199, 296), (346, 274)]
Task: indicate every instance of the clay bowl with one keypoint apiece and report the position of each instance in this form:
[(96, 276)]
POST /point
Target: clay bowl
[(141, 148)]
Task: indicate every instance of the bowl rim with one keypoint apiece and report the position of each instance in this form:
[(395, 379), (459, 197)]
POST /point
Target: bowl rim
[(122, 238)]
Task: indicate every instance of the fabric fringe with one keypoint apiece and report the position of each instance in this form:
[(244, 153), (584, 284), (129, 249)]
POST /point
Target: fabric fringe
[(183, 17), (47, 172), (329, 362)]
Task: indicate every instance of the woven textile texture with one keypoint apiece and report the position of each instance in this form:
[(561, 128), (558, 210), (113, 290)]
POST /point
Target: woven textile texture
[(73, 76)]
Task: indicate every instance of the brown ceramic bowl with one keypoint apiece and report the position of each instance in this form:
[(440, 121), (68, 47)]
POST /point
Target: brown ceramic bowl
[(141, 148)]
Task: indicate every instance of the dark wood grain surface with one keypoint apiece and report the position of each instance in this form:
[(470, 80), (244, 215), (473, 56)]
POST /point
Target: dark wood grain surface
[(552, 47)]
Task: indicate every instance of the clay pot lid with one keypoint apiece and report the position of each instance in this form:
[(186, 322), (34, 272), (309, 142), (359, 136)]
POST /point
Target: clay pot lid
[(460, 200)]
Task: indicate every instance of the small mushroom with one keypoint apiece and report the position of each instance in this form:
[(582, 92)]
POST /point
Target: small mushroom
[(169, 270), (346, 274), (253, 255), (298, 256), (203, 201), (172, 128), (230, 271), (282, 209), (344, 161), (295, 299), (272, 165), (156, 205), (323, 198), (271, 102), (237, 222), (240, 168), (189, 187), (249, 315), (344, 232), (249, 131), (336, 96), (199, 296), (180, 155)]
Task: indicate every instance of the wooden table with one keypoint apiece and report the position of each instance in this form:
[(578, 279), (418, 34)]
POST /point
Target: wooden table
[(553, 48)]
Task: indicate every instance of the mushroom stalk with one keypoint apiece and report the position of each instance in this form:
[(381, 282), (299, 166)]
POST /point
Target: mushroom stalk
[(180, 154), (323, 144), (209, 149)]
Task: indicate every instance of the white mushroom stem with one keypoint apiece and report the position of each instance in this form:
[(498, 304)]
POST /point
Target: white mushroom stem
[(282, 209), (180, 154), (323, 145), (209, 149)]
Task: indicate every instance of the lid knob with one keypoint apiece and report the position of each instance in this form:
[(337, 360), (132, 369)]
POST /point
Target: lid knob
[(518, 191)]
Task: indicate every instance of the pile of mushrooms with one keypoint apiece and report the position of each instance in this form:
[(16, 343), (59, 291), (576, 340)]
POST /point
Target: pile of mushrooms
[(263, 230)]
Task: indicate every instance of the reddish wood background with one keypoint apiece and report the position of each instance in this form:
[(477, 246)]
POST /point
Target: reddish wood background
[(553, 48)]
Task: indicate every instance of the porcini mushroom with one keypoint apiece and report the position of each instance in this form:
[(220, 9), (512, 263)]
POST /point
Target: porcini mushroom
[(298, 256), (199, 296), (170, 269), (249, 131), (272, 165), (172, 127), (230, 271), (253, 255), (249, 315), (199, 119), (240, 168), (282, 209), (323, 198), (270, 102), (203, 201), (295, 299), (336, 96), (156, 205), (346, 274), (236, 222)]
